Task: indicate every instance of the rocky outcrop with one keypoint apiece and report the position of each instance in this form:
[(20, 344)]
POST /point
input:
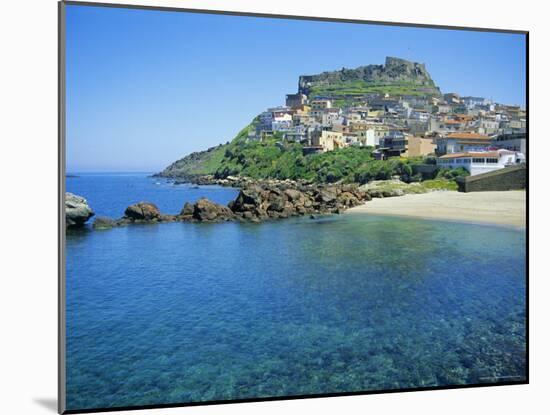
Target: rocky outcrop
[(206, 211), (77, 210), (392, 188), (395, 71), (256, 202), (142, 211)]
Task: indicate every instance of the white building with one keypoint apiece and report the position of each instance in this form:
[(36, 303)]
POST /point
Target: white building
[(281, 124), (329, 118), (472, 102), (481, 162), (462, 142), (297, 133), (488, 126), (420, 115), (368, 137)]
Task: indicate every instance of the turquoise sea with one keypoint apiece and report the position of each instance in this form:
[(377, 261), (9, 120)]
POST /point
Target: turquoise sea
[(182, 312)]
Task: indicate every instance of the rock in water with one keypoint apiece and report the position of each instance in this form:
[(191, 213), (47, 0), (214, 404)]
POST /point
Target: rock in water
[(248, 197), (207, 211), (77, 210), (143, 211), (188, 209), (103, 223)]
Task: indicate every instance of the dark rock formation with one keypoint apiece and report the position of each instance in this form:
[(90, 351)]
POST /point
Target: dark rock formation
[(77, 210), (206, 211), (257, 201), (187, 210), (282, 199), (142, 211)]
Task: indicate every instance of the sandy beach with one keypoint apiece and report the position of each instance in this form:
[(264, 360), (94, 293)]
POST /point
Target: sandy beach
[(498, 208)]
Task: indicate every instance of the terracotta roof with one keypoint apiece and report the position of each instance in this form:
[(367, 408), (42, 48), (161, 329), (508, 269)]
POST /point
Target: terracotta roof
[(469, 136), (493, 154), (473, 141)]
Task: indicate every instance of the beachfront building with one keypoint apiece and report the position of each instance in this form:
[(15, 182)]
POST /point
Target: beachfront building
[(462, 142), (513, 142), (481, 162)]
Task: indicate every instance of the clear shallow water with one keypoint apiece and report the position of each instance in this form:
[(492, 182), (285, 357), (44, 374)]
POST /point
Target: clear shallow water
[(185, 312), (110, 194)]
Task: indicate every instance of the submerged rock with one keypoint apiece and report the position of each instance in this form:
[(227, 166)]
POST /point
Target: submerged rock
[(103, 223), (77, 210)]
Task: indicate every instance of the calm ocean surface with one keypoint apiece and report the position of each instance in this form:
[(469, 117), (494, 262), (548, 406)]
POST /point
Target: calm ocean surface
[(183, 312)]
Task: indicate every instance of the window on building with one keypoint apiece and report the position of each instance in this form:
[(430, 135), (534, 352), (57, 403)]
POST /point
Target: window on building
[(479, 160), (492, 160)]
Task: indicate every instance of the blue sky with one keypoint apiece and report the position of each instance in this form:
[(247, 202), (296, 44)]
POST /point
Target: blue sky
[(145, 88)]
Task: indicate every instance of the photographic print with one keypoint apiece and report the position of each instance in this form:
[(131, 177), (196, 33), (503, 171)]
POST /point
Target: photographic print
[(267, 207)]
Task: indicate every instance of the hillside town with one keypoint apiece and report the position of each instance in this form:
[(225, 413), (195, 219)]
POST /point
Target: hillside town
[(474, 133)]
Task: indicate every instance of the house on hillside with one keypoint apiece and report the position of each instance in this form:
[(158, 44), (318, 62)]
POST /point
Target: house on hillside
[(392, 145), (420, 115), (419, 146), (473, 102), (297, 133), (328, 140), (320, 104), (488, 126), (452, 98), (295, 100)]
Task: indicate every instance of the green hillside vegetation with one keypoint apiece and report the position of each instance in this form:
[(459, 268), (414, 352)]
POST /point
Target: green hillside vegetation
[(359, 87), (274, 158)]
